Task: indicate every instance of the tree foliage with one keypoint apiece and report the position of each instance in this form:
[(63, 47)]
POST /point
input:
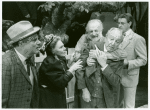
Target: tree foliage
[(61, 14)]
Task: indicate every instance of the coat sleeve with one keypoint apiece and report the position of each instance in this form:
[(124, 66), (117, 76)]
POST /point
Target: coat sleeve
[(141, 52), (58, 79), (80, 43), (80, 73), (113, 75), (54, 73), (116, 55), (6, 82)]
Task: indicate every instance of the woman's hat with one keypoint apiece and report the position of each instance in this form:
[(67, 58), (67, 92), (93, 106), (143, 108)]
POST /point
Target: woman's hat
[(20, 31)]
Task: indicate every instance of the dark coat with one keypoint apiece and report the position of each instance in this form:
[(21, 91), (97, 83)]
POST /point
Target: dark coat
[(110, 77), (53, 74), (16, 86)]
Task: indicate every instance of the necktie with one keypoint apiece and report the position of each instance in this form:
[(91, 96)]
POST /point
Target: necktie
[(28, 62)]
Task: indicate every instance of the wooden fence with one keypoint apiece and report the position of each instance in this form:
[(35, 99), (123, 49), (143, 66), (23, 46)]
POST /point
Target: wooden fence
[(70, 87)]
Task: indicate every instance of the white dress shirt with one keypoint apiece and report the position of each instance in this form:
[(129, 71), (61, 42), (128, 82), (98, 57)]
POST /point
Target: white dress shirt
[(22, 58), (127, 35)]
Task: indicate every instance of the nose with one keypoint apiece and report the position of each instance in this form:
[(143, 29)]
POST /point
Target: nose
[(38, 42), (94, 33), (64, 48), (113, 42), (119, 25)]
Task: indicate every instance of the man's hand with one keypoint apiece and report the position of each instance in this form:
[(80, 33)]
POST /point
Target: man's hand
[(86, 95), (126, 62), (90, 61), (92, 54), (101, 58)]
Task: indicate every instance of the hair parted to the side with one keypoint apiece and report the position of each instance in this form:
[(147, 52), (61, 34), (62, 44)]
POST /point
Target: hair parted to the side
[(115, 32), (127, 16), (51, 43), (94, 21)]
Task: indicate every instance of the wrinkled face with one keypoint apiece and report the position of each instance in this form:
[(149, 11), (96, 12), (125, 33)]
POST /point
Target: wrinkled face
[(94, 31), (59, 49), (123, 24), (33, 45), (112, 42)]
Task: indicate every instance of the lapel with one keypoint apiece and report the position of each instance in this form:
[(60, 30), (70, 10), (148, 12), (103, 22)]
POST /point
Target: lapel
[(16, 59), (127, 42)]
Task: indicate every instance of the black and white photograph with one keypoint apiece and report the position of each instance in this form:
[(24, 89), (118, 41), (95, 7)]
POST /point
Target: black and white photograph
[(74, 54)]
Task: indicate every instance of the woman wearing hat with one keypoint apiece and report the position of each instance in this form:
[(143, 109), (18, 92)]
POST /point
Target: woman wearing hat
[(54, 74)]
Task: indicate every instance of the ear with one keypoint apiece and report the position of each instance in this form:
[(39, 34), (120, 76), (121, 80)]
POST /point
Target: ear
[(130, 23)]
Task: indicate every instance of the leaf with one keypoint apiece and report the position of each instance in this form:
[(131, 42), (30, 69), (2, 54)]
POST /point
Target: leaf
[(86, 10), (57, 15), (81, 8)]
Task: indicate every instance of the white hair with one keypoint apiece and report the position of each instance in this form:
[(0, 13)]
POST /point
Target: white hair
[(116, 32), (94, 21)]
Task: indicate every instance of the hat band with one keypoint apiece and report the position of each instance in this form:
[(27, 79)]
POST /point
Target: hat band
[(20, 36)]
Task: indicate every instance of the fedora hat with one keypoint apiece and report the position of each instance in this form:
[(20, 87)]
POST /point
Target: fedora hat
[(20, 31)]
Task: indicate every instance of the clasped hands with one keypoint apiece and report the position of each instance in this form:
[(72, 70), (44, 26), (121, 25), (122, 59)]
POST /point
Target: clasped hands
[(98, 55)]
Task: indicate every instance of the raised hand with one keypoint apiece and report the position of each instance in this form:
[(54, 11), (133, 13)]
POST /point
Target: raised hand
[(101, 58), (90, 61), (76, 66), (92, 54)]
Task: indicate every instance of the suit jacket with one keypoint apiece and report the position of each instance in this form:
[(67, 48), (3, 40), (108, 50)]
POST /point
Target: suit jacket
[(135, 46), (16, 86), (110, 76)]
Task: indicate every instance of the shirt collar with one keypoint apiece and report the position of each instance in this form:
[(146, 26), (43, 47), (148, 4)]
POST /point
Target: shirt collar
[(22, 58), (128, 32), (105, 50)]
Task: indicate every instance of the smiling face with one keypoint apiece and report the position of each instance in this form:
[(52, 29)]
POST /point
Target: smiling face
[(113, 40), (94, 29), (59, 49)]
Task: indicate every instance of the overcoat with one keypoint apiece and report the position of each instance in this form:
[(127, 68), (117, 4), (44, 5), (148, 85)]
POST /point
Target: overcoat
[(53, 78)]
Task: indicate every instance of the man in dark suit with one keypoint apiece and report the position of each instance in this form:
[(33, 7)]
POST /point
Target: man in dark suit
[(19, 75), (99, 81)]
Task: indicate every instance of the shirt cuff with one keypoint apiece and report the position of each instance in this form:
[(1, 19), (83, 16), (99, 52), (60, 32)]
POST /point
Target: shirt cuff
[(104, 67)]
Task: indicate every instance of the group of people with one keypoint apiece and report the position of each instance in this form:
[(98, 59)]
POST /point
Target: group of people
[(106, 68)]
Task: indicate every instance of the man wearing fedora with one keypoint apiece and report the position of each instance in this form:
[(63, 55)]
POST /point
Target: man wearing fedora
[(19, 75)]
